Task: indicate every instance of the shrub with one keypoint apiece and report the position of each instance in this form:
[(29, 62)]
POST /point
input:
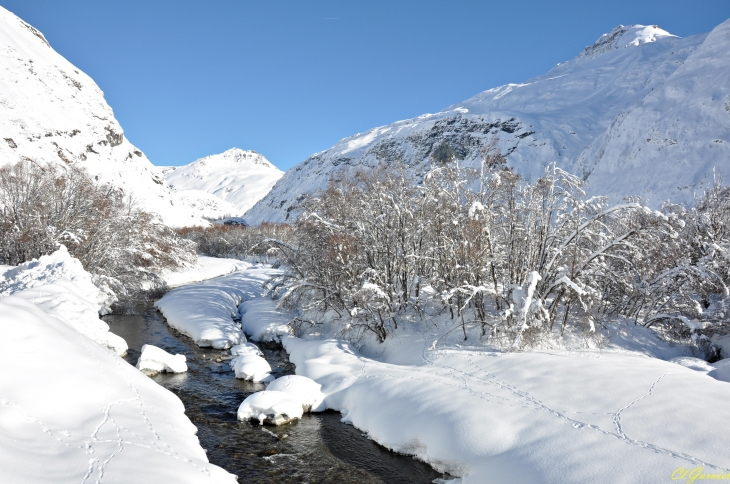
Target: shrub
[(44, 205)]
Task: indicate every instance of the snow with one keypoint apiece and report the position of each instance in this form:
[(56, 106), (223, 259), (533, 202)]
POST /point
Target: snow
[(721, 370), (154, 360), (488, 416), (204, 204), (206, 311), (251, 367), (619, 414), (305, 390), (55, 267), (58, 285), (237, 178), (272, 407), (263, 321), (641, 112), (71, 410), (246, 349), (622, 37), (207, 268), (693, 363), (50, 111)]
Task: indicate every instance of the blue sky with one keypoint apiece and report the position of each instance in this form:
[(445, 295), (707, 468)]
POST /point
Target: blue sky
[(289, 78)]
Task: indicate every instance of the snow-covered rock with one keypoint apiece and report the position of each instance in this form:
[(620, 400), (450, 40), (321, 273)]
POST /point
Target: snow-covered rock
[(50, 111), (206, 311), (58, 284), (641, 112), (154, 360), (251, 367), (301, 388), (246, 349), (276, 408), (238, 178)]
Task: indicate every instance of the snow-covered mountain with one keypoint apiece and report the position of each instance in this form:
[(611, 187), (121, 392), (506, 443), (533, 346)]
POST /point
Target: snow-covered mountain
[(640, 112), (50, 111), (225, 184)]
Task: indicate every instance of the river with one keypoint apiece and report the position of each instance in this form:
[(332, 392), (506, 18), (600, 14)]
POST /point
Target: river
[(319, 448)]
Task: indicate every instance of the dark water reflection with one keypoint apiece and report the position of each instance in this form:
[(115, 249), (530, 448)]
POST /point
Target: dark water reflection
[(319, 448)]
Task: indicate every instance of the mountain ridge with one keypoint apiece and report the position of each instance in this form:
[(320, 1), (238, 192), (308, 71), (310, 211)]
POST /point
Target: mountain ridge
[(556, 117)]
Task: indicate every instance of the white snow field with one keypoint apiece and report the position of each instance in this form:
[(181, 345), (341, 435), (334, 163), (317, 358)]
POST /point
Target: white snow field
[(204, 204), (272, 407), (154, 360), (205, 311), (238, 178), (641, 112), (73, 411), (59, 286), (50, 111), (548, 417)]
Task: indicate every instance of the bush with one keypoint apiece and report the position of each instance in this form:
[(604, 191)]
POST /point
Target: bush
[(44, 205), (518, 260), (237, 241)]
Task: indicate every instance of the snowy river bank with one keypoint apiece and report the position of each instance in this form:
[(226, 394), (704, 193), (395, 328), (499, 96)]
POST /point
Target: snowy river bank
[(627, 413), (72, 410)]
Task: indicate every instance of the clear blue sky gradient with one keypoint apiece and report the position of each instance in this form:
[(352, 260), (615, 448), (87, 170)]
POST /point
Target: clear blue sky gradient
[(289, 78)]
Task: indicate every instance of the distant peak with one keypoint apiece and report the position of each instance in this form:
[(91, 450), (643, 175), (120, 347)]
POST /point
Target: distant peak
[(237, 156), (239, 151), (625, 36)]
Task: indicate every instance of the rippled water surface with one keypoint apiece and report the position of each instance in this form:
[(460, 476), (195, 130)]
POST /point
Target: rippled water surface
[(319, 448)]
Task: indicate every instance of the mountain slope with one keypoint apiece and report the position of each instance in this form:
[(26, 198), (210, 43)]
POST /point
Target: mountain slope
[(565, 116), (50, 111), (671, 141), (239, 178)]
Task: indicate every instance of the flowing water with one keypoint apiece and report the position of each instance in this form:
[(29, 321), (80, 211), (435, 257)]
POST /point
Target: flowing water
[(319, 448)]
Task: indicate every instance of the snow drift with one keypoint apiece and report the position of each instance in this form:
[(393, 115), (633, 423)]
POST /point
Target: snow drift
[(529, 417), (59, 286)]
